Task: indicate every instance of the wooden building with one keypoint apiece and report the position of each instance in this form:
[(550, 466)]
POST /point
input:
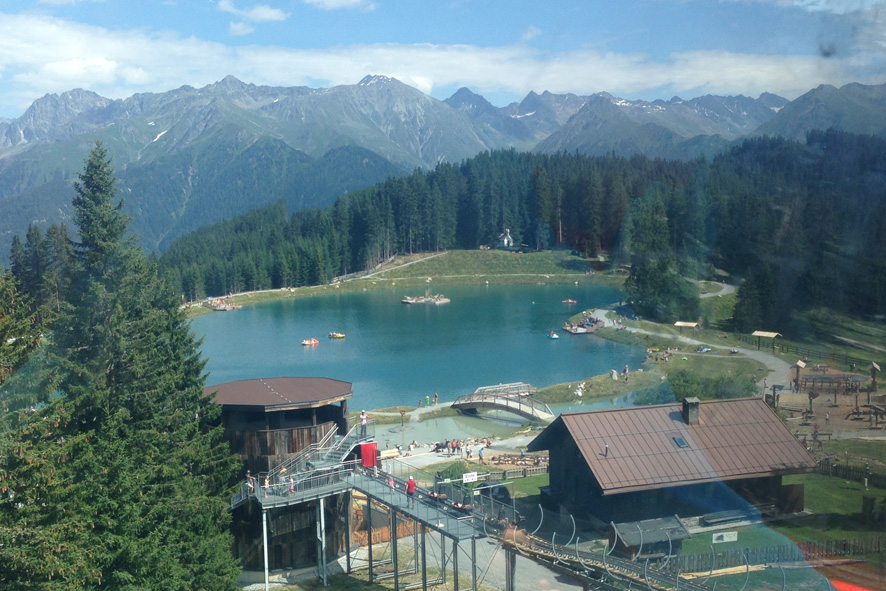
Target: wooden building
[(265, 422), (691, 458)]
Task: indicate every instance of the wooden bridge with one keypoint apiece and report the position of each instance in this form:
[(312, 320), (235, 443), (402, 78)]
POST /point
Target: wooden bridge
[(514, 398)]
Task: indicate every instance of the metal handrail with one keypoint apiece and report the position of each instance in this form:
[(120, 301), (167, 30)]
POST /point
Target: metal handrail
[(515, 402), (300, 461)]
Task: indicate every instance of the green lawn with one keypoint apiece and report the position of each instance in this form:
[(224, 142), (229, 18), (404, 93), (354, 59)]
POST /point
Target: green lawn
[(598, 387), (858, 451), (836, 507), (469, 266), (748, 537)]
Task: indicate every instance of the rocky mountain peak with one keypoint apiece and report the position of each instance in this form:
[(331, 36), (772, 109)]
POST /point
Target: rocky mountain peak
[(465, 98), (375, 79), (53, 117)]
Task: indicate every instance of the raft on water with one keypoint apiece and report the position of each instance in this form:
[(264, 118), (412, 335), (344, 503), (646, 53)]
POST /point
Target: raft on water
[(434, 300)]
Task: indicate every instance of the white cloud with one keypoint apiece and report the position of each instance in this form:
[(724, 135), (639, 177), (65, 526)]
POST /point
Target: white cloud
[(257, 14), (337, 4), (531, 33), (117, 64), (835, 6), (240, 29)]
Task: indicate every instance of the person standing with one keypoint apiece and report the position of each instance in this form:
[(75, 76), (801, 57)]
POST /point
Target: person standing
[(427, 400), (480, 454), (410, 492), (364, 419), (436, 397)]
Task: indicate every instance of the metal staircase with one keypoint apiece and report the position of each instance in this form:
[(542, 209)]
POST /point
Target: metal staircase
[(307, 468)]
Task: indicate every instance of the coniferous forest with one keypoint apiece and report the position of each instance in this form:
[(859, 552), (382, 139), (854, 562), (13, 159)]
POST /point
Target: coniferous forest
[(112, 466), (800, 225)]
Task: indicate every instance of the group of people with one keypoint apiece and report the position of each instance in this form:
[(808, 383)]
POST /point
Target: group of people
[(284, 484), (427, 400), (459, 447)]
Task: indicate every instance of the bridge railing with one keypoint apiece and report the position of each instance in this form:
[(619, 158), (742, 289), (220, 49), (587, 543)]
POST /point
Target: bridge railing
[(525, 404), (274, 490)]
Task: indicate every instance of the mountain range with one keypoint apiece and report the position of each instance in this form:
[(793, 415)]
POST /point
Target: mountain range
[(192, 156)]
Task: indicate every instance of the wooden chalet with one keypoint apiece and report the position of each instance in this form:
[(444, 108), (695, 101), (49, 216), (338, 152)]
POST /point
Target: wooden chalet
[(690, 458)]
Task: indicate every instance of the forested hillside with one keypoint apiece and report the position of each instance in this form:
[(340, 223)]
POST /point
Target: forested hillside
[(802, 224)]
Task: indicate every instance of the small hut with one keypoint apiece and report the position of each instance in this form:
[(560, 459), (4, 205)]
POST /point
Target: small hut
[(762, 334), (681, 324)]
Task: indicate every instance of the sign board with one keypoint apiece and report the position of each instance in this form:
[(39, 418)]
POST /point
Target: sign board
[(725, 536), (469, 477)]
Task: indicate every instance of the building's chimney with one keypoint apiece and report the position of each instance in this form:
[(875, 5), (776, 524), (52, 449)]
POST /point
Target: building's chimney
[(690, 410)]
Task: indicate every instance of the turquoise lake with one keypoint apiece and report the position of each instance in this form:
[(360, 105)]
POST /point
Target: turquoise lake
[(396, 354)]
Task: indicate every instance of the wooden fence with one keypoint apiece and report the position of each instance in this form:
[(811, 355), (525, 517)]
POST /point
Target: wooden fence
[(854, 473), (807, 352), (786, 553)]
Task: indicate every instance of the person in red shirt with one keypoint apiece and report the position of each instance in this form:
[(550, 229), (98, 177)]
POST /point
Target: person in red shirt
[(410, 492)]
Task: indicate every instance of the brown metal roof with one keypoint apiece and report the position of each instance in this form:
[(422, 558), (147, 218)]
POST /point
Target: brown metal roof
[(281, 393), (739, 438)]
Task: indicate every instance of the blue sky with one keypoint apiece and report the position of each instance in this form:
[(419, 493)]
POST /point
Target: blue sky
[(502, 49)]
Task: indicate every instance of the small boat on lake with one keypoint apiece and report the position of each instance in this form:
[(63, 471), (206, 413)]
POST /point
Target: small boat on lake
[(310, 342), (553, 335), (570, 302), (336, 335)]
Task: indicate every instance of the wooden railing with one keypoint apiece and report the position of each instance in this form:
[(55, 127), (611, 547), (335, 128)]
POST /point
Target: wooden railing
[(806, 352), (857, 473)]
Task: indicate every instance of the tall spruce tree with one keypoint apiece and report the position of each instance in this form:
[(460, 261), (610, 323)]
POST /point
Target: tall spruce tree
[(19, 329), (119, 482)]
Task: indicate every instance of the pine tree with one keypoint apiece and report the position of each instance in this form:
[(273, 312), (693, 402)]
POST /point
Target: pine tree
[(119, 482), (19, 330)]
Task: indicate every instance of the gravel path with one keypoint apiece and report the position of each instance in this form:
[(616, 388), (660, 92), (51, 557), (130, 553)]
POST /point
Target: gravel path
[(780, 370)]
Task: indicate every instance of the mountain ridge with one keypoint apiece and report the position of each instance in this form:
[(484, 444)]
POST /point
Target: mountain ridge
[(187, 136)]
